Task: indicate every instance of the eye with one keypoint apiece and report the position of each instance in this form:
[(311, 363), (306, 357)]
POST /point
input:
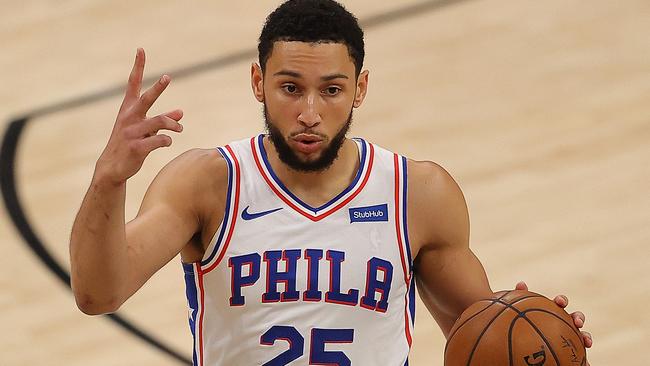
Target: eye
[(332, 90), (290, 88)]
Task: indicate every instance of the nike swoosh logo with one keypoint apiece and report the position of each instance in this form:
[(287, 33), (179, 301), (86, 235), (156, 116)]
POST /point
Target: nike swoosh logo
[(252, 216)]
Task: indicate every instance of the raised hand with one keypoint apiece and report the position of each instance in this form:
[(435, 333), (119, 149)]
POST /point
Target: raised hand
[(135, 135)]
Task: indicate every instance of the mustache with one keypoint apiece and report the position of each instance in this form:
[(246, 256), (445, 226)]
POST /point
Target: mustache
[(308, 131)]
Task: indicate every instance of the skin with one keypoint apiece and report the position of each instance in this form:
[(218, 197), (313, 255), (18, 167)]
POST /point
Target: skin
[(309, 89)]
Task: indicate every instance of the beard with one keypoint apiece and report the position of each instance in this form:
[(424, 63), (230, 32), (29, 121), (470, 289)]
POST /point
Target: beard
[(292, 160)]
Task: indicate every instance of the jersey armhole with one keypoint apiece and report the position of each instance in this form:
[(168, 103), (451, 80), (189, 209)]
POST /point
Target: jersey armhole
[(221, 237)]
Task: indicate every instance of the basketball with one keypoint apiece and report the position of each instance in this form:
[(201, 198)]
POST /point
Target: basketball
[(515, 328)]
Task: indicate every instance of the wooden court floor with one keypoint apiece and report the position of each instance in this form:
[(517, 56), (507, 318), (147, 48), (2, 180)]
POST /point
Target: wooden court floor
[(540, 109)]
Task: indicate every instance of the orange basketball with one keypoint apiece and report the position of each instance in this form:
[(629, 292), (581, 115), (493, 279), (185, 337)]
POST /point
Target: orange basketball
[(515, 328)]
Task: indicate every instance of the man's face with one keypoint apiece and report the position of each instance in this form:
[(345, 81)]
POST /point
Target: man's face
[(308, 91)]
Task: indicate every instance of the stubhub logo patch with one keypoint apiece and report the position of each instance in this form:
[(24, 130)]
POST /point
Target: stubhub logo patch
[(369, 213)]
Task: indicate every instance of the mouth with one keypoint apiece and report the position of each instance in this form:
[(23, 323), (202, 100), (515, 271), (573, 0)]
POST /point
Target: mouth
[(307, 143)]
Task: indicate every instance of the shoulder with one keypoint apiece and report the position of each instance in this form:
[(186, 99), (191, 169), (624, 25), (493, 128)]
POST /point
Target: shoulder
[(428, 179), (207, 164), (193, 174), (437, 210), (197, 160)]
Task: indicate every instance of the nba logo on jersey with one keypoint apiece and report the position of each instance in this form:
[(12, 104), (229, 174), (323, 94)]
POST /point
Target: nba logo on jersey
[(285, 283)]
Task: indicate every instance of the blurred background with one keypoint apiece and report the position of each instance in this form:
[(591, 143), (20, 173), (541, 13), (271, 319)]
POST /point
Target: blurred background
[(539, 109)]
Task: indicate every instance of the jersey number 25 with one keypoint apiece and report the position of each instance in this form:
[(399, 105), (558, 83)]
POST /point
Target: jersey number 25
[(317, 353)]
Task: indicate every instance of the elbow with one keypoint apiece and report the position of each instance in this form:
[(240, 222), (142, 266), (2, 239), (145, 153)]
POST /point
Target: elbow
[(93, 299), (90, 305)]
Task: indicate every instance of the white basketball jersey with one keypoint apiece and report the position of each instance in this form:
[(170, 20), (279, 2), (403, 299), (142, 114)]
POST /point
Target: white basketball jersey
[(284, 283)]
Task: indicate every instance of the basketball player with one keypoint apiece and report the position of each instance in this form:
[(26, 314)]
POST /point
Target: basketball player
[(300, 246)]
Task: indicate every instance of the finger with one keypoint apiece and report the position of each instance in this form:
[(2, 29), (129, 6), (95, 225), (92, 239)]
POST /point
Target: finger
[(151, 126), (578, 319), (521, 285), (587, 339), (152, 143), (176, 114), (149, 97), (135, 79), (562, 301)]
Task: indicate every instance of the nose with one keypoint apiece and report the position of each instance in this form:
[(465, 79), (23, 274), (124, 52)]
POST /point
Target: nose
[(310, 111)]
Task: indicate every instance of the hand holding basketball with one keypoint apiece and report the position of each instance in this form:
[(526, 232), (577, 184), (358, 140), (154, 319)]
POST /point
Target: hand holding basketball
[(134, 134), (577, 316), (515, 327)]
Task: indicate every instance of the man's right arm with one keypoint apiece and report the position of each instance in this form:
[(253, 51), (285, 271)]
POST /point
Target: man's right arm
[(105, 265), (111, 260), (98, 248)]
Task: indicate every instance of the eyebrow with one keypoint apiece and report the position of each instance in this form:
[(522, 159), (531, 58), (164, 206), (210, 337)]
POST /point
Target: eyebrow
[(298, 75)]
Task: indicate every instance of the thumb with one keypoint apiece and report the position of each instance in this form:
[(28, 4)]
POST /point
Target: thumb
[(521, 285)]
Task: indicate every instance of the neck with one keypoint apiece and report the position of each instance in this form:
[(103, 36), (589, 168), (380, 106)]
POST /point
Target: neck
[(316, 188)]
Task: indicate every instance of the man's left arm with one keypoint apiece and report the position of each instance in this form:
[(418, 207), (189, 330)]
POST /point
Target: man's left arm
[(449, 276)]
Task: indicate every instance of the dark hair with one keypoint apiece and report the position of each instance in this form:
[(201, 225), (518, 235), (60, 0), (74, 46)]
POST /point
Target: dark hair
[(317, 21)]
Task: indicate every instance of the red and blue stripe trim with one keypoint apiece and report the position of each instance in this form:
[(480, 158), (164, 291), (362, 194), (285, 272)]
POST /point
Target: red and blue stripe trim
[(194, 272), (195, 299), (401, 228), (221, 239), (313, 213)]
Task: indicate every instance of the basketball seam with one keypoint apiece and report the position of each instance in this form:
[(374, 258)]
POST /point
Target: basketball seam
[(492, 302), (559, 318), (478, 340), (522, 315)]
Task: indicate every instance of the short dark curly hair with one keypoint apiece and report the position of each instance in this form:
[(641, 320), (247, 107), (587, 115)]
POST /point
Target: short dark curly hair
[(317, 21)]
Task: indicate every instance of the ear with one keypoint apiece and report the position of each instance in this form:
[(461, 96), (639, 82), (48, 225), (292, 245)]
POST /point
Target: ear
[(257, 82), (362, 89)]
